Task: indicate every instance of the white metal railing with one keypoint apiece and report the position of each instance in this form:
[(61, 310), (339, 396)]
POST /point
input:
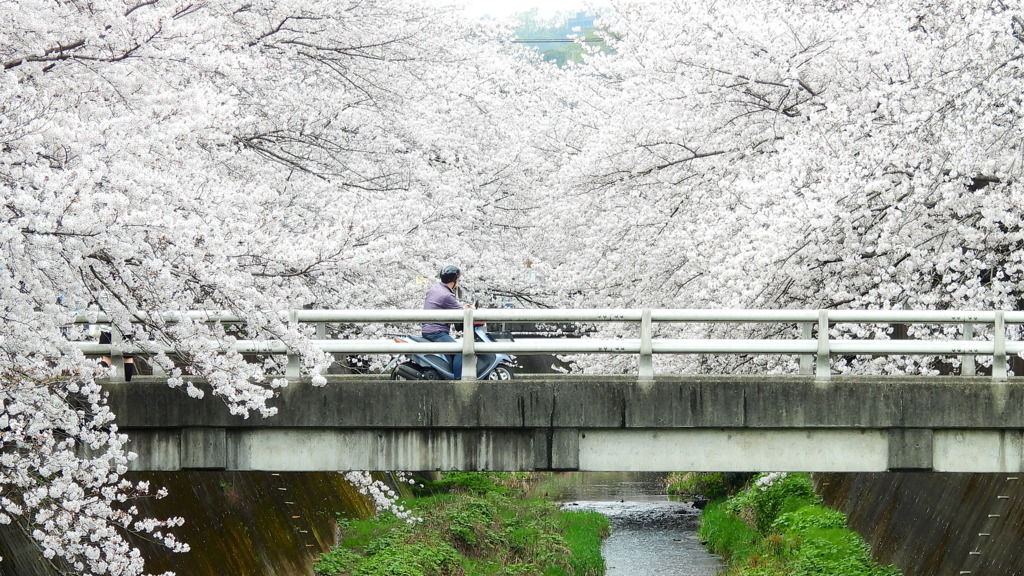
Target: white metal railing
[(815, 351)]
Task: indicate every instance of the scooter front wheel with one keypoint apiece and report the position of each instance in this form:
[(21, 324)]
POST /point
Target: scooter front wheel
[(501, 372)]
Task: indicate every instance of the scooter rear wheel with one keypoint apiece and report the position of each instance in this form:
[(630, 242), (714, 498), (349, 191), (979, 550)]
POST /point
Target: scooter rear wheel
[(501, 372)]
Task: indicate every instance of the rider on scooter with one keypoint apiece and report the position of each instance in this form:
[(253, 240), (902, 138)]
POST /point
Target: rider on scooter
[(442, 297)]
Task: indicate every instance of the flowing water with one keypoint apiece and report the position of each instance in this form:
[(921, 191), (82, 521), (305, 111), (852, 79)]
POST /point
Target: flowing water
[(651, 535)]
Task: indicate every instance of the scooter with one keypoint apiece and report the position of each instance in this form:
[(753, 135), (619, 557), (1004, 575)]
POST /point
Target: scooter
[(439, 366)]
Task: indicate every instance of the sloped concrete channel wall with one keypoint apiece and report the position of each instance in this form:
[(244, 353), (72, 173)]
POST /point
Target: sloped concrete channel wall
[(266, 524), (931, 524), (237, 524)]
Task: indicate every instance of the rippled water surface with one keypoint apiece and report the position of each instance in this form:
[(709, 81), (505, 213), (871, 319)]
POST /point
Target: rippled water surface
[(657, 553), (652, 538), (651, 535)]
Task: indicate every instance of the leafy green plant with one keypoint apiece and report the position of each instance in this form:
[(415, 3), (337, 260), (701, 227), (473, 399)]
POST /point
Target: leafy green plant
[(808, 517), (411, 559), (726, 534), (837, 552), (467, 523), (392, 538), (710, 485), (336, 561), (521, 570), (474, 533), (584, 531), (771, 495), (777, 527), (473, 482)]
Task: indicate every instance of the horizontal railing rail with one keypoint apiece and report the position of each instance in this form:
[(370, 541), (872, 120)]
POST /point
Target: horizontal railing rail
[(815, 350)]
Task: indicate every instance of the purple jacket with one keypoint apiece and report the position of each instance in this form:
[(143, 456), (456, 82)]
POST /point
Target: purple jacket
[(439, 297)]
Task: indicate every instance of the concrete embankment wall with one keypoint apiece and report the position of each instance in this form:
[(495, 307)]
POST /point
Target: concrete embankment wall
[(931, 524), (237, 523)]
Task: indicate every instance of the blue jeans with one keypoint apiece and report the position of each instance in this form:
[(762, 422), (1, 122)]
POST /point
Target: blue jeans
[(456, 359)]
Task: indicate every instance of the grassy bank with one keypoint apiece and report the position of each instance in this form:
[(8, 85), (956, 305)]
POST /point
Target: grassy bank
[(473, 525), (776, 526)]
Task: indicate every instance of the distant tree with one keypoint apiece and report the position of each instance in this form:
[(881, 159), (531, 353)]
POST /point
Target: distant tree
[(584, 42), (558, 38)]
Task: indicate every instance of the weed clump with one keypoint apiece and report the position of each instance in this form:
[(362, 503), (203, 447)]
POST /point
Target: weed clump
[(473, 525), (778, 527)]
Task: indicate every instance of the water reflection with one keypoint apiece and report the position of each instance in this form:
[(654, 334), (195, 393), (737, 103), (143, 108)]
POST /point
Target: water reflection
[(606, 486), (651, 535), (657, 553)]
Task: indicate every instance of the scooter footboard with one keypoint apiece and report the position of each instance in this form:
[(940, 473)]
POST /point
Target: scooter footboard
[(501, 336)]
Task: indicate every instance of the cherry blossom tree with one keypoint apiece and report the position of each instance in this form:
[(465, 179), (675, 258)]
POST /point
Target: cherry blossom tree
[(164, 156), (796, 155)]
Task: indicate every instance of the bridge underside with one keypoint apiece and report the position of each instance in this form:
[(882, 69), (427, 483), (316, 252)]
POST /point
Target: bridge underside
[(696, 449), (590, 423)]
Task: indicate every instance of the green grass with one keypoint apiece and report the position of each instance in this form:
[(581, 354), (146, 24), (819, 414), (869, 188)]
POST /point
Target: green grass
[(475, 526), (584, 531), (777, 527), (726, 534)]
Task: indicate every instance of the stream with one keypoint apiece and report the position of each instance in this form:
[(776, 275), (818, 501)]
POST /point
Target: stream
[(651, 535)]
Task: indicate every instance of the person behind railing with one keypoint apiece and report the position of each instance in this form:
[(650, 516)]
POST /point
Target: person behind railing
[(442, 297), (106, 361)]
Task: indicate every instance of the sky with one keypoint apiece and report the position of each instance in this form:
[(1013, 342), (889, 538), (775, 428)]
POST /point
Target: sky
[(499, 8)]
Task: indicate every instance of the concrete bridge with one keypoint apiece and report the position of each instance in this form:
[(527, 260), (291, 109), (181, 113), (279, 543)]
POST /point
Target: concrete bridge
[(814, 421), (590, 423)]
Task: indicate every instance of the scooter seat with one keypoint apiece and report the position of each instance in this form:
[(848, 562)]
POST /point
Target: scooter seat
[(418, 339)]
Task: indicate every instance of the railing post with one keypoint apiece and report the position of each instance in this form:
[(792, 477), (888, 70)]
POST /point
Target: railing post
[(321, 334), (157, 369), (646, 347), (116, 356), (823, 372), (999, 349), (291, 370), (968, 367), (468, 349), (806, 360)]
